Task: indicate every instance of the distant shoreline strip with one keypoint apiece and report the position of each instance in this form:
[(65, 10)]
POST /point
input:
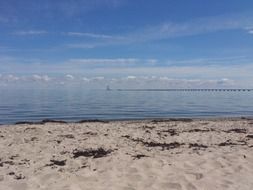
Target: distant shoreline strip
[(188, 90)]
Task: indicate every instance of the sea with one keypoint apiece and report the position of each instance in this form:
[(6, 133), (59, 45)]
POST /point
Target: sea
[(79, 104)]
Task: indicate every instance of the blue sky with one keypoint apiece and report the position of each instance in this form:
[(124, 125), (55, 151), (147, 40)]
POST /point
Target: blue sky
[(193, 40)]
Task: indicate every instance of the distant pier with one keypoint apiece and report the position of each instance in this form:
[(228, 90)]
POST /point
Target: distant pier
[(194, 90)]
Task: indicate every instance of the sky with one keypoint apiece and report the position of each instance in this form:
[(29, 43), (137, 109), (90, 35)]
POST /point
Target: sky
[(127, 43)]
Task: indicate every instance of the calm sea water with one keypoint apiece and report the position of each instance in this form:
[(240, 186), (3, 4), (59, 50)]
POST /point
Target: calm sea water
[(78, 104)]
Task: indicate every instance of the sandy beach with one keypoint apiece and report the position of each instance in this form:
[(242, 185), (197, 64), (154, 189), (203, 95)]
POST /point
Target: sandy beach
[(185, 154)]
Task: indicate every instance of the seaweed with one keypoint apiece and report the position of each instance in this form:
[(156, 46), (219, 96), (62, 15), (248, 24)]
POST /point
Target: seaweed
[(90, 133), (250, 136), (236, 130), (139, 156), (69, 136), (57, 162), (198, 146), (164, 146), (92, 121), (172, 132), (172, 119), (229, 143), (95, 153), (199, 130), (40, 122)]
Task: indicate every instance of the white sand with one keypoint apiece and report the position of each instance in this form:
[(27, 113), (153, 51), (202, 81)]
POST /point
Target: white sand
[(171, 155)]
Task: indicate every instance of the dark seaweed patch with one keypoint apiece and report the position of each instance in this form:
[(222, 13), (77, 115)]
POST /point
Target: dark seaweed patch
[(250, 136), (172, 119), (197, 146), (40, 122), (92, 121), (139, 156), (68, 136), (90, 133), (229, 143), (95, 153), (57, 162), (164, 146), (172, 132), (236, 130), (199, 130)]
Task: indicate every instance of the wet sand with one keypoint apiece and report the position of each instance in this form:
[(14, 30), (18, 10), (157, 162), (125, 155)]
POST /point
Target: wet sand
[(185, 154)]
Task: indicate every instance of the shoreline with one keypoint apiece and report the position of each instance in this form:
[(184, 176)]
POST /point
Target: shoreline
[(158, 119), (156, 154)]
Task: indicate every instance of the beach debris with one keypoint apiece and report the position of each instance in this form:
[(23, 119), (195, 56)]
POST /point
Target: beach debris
[(90, 133), (250, 136), (236, 130), (6, 162), (16, 176), (199, 130), (164, 146), (247, 118), (92, 121), (11, 173), (172, 132), (40, 122), (34, 139), (172, 119), (57, 163), (229, 143), (14, 156), (25, 123), (197, 146), (95, 153), (19, 176), (148, 127), (68, 136), (139, 156)]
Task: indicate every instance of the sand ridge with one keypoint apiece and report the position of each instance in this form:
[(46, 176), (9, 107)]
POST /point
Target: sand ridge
[(159, 154)]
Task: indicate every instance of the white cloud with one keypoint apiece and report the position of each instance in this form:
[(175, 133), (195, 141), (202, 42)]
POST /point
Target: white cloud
[(85, 79), (250, 31), (169, 30), (116, 62), (69, 77), (238, 69), (131, 77), (11, 78), (30, 32), (210, 61), (193, 27), (83, 45), (91, 35), (147, 82), (44, 78)]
